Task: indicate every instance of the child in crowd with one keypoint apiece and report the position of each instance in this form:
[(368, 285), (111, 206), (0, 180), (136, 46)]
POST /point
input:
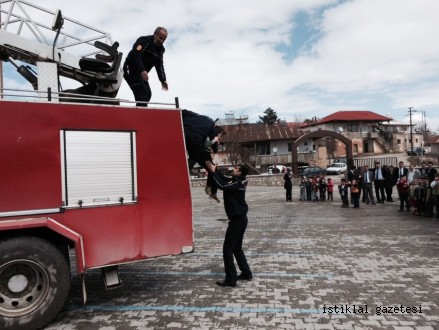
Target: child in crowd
[(343, 190), (355, 193), (330, 189), (435, 192), (417, 192), (308, 189), (403, 187), (302, 187), (429, 198), (314, 189), (322, 189)]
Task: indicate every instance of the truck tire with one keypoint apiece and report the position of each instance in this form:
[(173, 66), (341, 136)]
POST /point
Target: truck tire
[(34, 282)]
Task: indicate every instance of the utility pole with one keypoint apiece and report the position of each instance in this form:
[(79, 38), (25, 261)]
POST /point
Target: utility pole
[(411, 128), (423, 130)]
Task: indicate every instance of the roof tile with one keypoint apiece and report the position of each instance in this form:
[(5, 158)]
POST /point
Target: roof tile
[(351, 115), (261, 132)]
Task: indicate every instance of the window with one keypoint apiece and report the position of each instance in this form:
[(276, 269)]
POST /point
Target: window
[(398, 141), (353, 127), (263, 148), (98, 167)]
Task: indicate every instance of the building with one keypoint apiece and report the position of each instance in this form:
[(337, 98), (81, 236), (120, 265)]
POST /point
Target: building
[(262, 145), (259, 145), (433, 142), (371, 133), (399, 135)]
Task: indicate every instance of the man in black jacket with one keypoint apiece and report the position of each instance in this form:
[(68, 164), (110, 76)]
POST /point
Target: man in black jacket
[(400, 172), (236, 208), (431, 171), (390, 182), (147, 52), (379, 182)]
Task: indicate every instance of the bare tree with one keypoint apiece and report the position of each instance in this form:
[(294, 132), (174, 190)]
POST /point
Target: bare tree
[(237, 152), (331, 147), (298, 118)]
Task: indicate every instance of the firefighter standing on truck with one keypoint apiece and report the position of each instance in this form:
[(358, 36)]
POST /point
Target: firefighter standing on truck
[(146, 53)]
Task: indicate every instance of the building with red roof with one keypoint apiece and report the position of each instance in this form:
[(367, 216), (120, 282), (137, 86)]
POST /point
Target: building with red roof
[(262, 145), (352, 116), (370, 132)]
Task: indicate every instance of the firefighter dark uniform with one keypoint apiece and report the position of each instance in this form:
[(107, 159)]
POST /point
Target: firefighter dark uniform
[(236, 209), (145, 55)]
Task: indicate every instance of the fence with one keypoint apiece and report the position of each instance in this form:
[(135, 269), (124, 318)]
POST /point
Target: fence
[(370, 162), (253, 180)]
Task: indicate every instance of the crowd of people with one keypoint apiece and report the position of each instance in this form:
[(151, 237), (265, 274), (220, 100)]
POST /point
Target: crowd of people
[(316, 189), (417, 189)]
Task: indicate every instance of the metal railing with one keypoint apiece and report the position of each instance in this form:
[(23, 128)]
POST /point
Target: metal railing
[(370, 162), (72, 98), (282, 159)]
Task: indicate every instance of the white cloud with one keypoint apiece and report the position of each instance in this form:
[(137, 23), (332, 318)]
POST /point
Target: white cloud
[(368, 44), (378, 55)]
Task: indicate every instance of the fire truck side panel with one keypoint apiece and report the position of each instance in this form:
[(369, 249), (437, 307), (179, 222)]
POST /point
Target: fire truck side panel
[(158, 223), (29, 163)]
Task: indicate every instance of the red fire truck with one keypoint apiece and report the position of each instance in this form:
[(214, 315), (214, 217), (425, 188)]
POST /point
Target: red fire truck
[(81, 177)]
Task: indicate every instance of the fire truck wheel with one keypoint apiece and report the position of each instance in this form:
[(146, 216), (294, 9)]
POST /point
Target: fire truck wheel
[(34, 282)]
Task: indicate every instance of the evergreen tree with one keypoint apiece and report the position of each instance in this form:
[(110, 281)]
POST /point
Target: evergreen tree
[(269, 118)]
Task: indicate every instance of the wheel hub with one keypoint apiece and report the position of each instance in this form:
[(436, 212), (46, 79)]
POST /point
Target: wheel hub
[(24, 285), (17, 283)]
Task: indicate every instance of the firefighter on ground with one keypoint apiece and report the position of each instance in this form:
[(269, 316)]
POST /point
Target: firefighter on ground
[(147, 52)]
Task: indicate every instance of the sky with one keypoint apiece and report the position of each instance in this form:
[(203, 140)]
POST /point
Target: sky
[(302, 58)]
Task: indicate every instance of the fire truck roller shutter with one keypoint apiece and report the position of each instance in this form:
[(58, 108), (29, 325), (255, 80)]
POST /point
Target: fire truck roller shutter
[(99, 167)]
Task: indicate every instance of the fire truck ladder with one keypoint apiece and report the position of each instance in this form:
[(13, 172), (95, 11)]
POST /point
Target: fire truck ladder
[(57, 50)]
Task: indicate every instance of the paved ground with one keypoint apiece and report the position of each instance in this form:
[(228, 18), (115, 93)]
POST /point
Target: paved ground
[(306, 257)]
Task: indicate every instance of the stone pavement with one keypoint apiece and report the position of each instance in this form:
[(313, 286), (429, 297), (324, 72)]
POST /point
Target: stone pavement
[(315, 265)]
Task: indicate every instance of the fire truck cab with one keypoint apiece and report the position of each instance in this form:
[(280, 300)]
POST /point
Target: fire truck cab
[(83, 177)]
